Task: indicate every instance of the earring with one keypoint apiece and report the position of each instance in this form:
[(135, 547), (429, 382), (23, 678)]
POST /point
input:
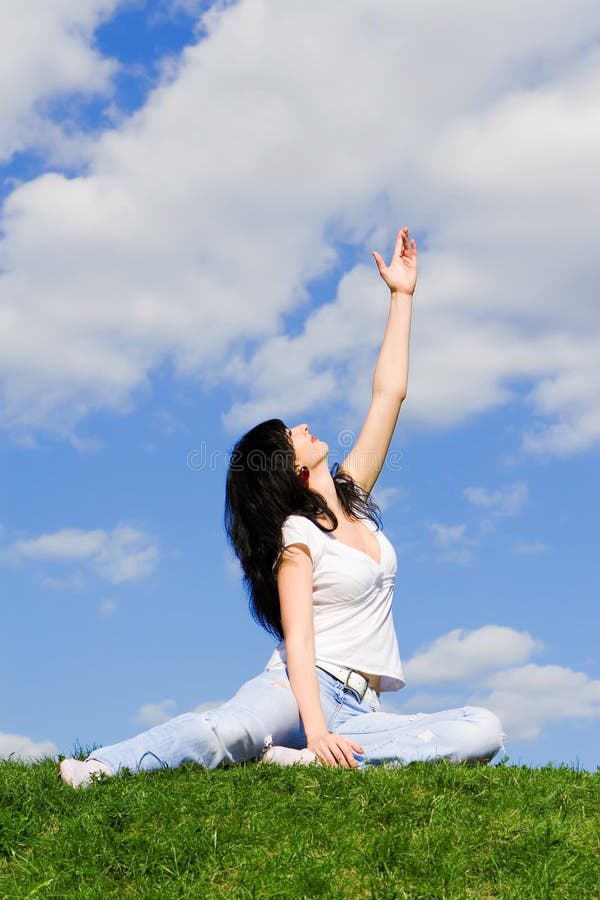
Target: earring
[(304, 475)]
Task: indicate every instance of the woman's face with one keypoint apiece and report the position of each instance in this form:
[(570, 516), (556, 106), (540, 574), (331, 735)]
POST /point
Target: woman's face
[(308, 449)]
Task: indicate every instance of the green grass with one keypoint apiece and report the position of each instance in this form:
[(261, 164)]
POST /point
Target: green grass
[(259, 831)]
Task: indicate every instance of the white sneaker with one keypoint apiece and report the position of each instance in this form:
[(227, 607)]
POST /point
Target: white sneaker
[(81, 773), (286, 756)]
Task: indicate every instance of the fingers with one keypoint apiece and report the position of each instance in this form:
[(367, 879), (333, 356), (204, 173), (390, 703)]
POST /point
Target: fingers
[(344, 755), (335, 750), (355, 746), (326, 756), (378, 259), (410, 249), (409, 246), (405, 243), (332, 755), (401, 239), (404, 248)]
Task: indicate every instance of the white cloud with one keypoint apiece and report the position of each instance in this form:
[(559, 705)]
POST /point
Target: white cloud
[(420, 702), (386, 497), (203, 219), (527, 697), (154, 713), (128, 554), (461, 655), (530, 697), (123, 554), (69, 543), (444, 535), (470, 339), (455, 546), (208, 705), (508, 501), (46, 50), (17, 746)]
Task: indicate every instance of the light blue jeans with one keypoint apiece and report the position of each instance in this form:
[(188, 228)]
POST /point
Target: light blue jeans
[(264, 712)]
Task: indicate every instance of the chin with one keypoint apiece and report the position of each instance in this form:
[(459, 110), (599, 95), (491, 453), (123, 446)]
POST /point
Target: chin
[(319, 451)]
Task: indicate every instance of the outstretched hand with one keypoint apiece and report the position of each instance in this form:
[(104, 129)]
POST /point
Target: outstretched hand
[(401, 274)]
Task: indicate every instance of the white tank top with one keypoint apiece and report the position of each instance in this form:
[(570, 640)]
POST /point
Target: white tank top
[(352, 597)]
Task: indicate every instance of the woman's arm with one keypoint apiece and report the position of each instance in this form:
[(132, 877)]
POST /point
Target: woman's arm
[(294, 582), (365, 460)]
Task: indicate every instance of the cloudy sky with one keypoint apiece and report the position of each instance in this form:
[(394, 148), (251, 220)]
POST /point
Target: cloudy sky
[(190, 195)]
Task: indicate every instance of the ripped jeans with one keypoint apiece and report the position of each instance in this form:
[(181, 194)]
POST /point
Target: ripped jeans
[(264, 712)]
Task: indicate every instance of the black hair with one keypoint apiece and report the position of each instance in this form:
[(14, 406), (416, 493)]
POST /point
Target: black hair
[(262, 490)]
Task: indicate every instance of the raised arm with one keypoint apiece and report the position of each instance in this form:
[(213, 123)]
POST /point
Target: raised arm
[(294, 582), (365, 460)]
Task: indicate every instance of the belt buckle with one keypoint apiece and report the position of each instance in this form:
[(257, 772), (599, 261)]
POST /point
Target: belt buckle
[(358, 691)]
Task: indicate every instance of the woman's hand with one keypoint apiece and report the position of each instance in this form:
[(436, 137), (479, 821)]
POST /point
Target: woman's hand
[(334, 750), (401, 274)]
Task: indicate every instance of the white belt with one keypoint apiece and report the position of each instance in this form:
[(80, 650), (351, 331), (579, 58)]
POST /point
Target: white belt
[(350, 678)]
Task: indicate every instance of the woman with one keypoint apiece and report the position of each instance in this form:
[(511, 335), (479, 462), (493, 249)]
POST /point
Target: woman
[(320, 576)]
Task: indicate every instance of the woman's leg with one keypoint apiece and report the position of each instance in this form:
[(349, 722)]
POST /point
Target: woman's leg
[(467, 734), (263, 711)]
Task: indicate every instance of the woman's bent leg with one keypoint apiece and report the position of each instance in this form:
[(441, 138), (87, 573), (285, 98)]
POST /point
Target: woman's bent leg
[(467, 734), (263, 711)]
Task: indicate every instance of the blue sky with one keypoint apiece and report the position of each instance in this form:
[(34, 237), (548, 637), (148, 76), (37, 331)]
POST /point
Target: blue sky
[(190, 197)]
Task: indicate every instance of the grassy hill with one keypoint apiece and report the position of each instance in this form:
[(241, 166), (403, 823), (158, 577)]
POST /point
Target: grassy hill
[(259, 831)]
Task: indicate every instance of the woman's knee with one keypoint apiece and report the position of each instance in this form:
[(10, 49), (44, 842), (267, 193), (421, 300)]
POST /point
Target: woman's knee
[(214, 738), (196, 734), (488, 738), (239, 734)]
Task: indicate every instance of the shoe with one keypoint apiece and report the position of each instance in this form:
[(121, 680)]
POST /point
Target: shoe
[(286, 756), (81, 773)]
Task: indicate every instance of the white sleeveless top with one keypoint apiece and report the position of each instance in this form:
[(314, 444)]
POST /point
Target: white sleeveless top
[(352, 603)]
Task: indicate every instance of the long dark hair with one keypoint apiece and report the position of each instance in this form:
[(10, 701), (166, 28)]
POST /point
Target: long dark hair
[(262, 490)]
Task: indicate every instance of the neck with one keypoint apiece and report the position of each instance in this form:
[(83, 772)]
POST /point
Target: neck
[(322, 482)]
